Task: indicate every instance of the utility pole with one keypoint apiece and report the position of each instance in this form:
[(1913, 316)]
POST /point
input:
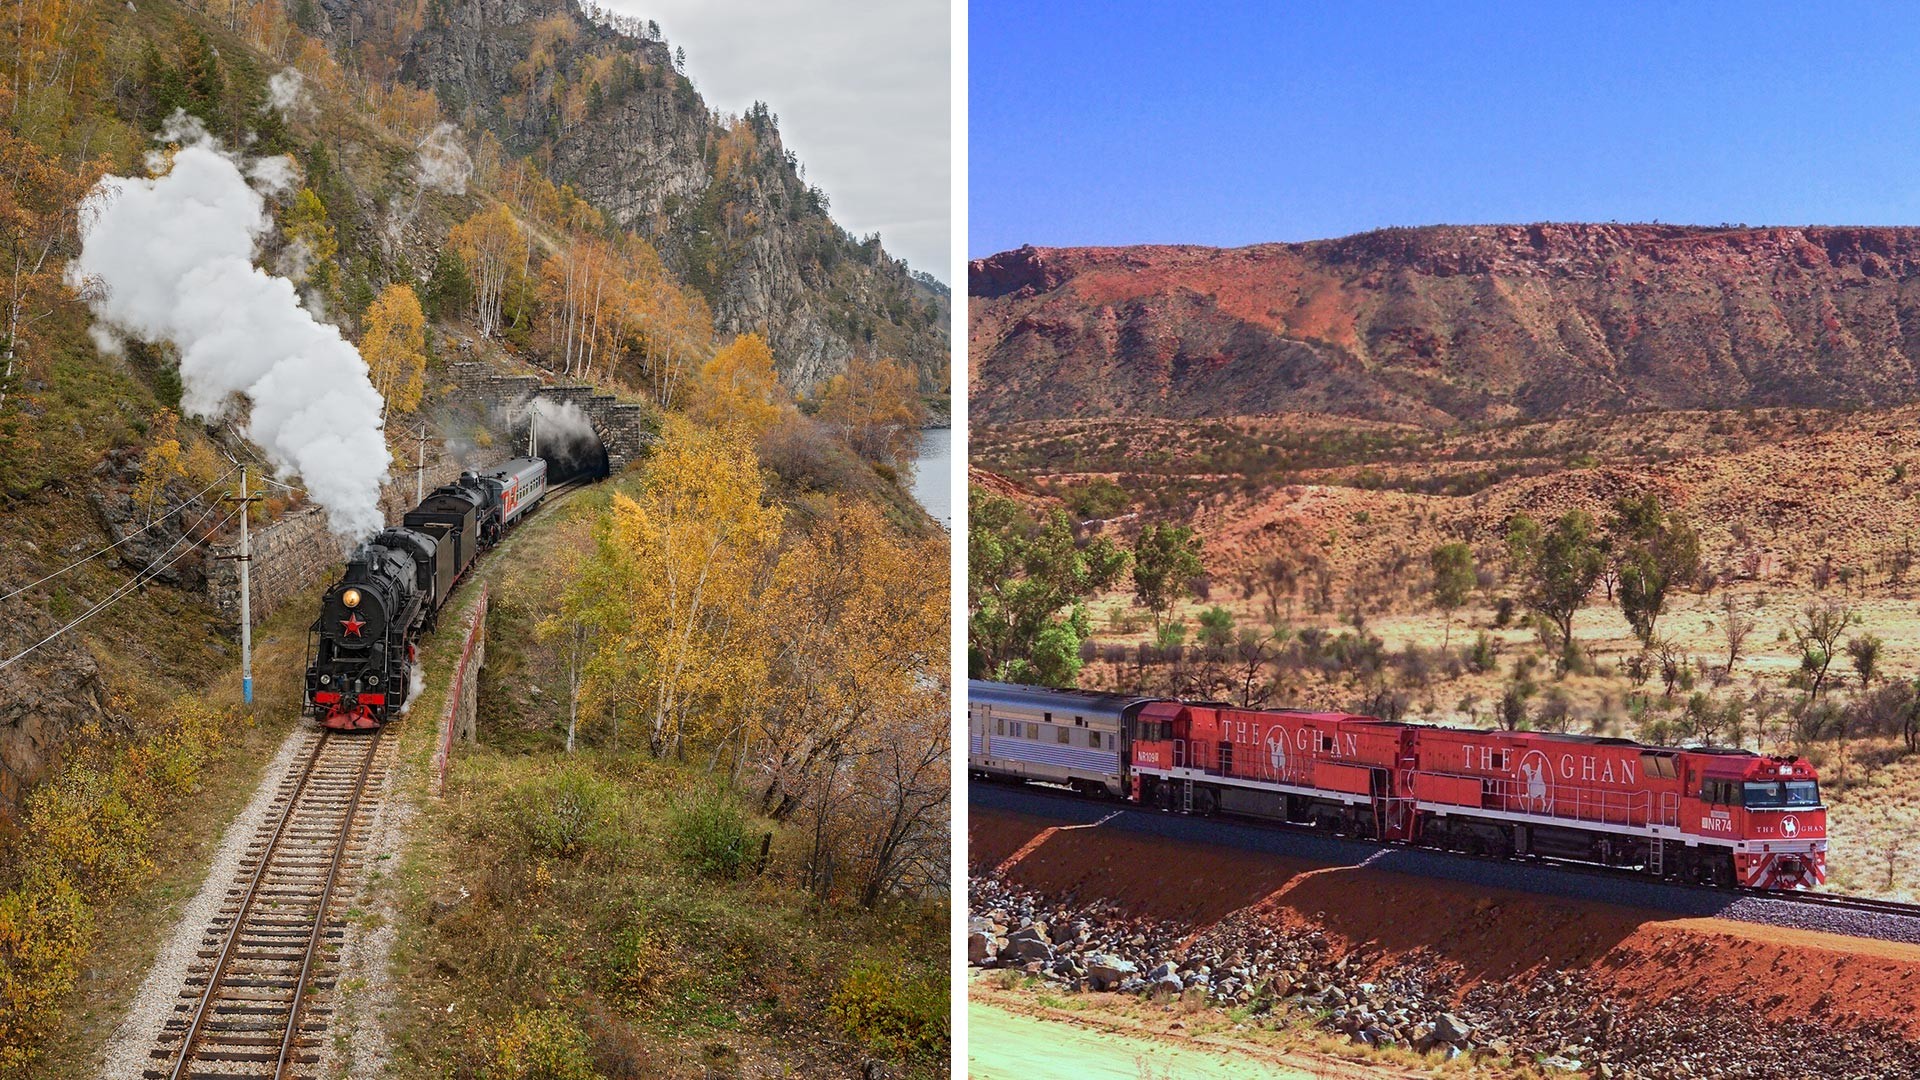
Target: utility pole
[(246, 588), (420, 470)]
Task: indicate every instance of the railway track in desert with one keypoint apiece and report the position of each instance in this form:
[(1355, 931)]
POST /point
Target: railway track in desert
[(257, 999)]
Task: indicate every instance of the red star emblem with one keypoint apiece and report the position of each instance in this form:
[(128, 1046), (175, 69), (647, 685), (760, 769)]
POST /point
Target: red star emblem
[(352, 624)]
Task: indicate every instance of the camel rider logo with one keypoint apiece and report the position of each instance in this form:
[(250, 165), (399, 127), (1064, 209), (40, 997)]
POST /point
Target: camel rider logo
[(1789, 826), (1277, 751), (1536, 776)]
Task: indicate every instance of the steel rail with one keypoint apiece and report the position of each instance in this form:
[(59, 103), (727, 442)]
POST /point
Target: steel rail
[(197, 1027), (320, 914)]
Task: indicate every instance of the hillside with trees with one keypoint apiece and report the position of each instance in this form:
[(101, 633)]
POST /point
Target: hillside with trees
[(429, 231)]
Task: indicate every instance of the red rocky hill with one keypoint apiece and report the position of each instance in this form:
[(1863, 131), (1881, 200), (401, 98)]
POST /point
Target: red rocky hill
[(1452, 323)]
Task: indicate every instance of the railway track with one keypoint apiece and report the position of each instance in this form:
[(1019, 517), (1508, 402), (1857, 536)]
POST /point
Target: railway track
[(1847, 903), (257, 999)]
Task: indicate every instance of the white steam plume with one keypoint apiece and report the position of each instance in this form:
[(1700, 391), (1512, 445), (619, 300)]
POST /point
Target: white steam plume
[(287, 93), (561, 427), (439, 164), (171, 259), (442, 163)]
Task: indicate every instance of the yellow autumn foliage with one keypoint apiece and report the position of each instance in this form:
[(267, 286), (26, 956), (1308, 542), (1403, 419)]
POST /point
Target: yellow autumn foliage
[(739, 390), (395, 347), (672, 589), (86, 838)]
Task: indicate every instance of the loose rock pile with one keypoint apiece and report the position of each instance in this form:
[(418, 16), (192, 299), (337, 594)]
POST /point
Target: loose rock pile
[(1556, 1019)]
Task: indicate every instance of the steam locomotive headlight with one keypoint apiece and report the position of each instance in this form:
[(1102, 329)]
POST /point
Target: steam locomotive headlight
[(326, 680), (351, 598)]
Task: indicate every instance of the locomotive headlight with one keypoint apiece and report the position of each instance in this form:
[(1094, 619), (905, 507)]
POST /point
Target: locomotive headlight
[(351, 598)]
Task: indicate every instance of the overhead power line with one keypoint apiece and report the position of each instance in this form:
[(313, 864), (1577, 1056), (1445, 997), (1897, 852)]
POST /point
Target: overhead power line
[(122, 540), (152, 571)]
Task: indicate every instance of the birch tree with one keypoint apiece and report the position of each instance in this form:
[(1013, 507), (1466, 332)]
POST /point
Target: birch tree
[(673, 586)]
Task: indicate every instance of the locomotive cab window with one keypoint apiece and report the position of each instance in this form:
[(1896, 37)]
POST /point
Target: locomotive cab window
[(1778, 794)]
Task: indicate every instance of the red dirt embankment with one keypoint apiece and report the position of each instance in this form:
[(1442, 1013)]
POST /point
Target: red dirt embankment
[(1490, 936)]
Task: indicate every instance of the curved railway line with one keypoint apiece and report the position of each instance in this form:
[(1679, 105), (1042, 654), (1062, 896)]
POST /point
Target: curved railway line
[(255, 1002)]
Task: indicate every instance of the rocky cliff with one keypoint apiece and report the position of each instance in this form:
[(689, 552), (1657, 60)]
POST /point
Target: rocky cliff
[(609, 110), (1447, 323)]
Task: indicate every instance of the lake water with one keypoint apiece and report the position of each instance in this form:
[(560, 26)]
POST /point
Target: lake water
[(932, 477)]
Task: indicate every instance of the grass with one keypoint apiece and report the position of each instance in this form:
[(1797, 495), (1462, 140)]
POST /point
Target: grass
[(639, 949), (598, 905)]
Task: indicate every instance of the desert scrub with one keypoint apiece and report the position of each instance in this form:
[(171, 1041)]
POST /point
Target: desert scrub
[(86, 838), (893, 1010)]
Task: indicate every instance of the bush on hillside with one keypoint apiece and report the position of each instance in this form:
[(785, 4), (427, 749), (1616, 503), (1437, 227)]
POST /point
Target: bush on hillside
[(569, 813), (896, 1013), (709, 834), (540, 1044)]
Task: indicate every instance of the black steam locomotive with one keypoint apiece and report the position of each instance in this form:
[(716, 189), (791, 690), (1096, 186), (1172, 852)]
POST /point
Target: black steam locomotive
[(361, 650)]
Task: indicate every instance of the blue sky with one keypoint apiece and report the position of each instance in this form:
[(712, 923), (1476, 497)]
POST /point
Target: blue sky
[(1240, 123)]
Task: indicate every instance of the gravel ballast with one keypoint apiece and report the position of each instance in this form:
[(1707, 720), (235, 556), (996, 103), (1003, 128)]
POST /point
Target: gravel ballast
[(159, 994)]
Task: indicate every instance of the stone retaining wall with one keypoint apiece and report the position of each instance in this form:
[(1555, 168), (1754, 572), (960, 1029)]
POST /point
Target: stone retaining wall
[(294, 553), (298, 551)]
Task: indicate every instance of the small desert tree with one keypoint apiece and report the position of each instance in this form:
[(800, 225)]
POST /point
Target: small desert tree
[(1654, 552), (1028, 580), (1165, 559), (1864, 651), (1559, 566), (1453, 581), (1735, 625), (1816, 631)]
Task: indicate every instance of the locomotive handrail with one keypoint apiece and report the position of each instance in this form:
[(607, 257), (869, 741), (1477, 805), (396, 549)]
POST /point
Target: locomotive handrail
[(1570, 802)]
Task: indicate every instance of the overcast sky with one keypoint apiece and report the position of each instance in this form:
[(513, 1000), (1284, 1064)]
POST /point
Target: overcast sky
[(861, 89)]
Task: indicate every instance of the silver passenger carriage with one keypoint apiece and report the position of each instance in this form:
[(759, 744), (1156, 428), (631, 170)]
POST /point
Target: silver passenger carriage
[(1073, 737)]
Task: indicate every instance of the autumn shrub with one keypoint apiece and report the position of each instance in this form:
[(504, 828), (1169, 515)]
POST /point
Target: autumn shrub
[(895, 1012), (709, 834), (806, 457), (539, 1044), (569, 813), (86, 838), (46, 927), (640, 965)]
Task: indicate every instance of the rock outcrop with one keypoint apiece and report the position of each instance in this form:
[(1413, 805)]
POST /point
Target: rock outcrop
[(611, 113), (1452, 323)]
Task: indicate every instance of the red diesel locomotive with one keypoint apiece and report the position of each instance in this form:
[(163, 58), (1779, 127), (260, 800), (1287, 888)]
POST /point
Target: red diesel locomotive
[(1708, 815)]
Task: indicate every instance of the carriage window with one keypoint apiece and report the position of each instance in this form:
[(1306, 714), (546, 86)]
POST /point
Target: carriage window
[(1047, 716), (1065, 735), (999, 727)]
